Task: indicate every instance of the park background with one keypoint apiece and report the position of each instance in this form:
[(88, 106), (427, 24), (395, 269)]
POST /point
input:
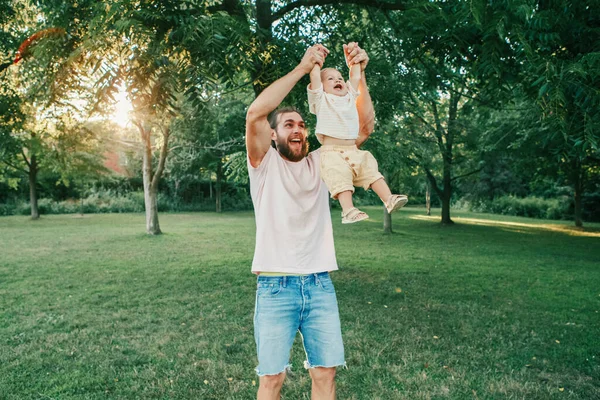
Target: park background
[(486, 117)]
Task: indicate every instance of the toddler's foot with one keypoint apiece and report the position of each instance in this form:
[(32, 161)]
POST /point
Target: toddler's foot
[(353, 215), (395, 202)]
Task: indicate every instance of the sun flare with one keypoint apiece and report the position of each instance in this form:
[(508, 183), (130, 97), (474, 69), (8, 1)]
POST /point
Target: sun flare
[(122, 109)]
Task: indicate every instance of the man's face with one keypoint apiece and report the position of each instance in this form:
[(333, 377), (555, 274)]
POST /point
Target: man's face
[(333, 82), (290, 136)]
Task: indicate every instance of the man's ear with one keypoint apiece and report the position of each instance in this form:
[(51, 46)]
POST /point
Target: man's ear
[(273, 134)]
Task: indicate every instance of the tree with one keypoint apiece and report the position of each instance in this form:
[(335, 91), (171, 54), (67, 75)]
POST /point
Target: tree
[(436, 75), (206, 139), (163, 55), (39, 129), (558, 46)]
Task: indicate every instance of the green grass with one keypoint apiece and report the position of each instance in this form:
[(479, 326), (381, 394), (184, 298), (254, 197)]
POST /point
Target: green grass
[(491, 308)]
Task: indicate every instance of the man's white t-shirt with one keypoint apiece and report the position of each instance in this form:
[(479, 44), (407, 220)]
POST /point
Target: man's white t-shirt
[(293, 223)]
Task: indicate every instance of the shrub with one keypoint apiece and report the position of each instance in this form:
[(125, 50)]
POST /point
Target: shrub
[(532, 207)]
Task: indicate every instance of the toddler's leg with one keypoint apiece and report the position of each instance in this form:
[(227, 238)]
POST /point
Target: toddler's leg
[(382, 189), (337, 175), (345, 199), (350, 214), (392, 201)]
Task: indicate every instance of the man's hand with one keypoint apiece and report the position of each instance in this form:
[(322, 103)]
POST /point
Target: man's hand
[(258, 131), (355, 55), (315, 55)]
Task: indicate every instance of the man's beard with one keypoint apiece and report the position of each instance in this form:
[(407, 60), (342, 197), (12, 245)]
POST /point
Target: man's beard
[(285, 150)]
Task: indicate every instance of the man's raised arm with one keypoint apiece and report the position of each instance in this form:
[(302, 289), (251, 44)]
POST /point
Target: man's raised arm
[(258, 131), (364, 104)]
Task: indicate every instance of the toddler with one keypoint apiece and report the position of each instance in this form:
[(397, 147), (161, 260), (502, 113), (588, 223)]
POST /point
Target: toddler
[(343, 166)]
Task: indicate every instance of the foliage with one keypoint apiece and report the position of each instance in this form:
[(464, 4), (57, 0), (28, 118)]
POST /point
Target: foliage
[(206, 139), (499, 97), (531, 207), (235, 198), (558, 46), (39, 130)]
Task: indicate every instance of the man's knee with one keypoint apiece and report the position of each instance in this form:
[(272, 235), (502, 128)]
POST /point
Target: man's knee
[(322, 376), (272, 382)]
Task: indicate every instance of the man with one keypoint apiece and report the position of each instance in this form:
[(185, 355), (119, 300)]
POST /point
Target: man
[(294, 237)]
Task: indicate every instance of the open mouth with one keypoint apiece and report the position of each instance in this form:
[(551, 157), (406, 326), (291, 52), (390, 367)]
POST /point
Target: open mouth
[(339, 86)]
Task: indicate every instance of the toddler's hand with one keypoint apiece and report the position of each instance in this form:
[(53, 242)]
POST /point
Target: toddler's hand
[(315, 55), (355, 55)]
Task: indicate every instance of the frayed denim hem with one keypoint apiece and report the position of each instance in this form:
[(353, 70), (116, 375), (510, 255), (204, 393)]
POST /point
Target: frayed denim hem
[(308, 366), (287, 368)]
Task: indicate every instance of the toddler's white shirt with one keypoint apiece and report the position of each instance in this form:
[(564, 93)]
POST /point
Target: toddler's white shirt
[(336, 115)]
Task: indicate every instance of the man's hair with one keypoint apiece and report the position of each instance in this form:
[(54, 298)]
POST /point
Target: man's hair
[(275, 115)]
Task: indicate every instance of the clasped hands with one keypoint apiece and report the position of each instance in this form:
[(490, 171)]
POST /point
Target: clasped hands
[(316, 55)]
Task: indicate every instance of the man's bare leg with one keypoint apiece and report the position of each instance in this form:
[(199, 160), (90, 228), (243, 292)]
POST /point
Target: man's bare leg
[(323, 383), (269, 387)]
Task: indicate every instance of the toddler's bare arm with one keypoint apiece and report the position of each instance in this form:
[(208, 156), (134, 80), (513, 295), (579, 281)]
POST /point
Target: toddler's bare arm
[(315, 77), (355, 75)]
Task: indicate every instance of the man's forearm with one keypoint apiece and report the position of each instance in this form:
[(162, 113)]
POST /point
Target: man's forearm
[(272, 96), (366, 113)]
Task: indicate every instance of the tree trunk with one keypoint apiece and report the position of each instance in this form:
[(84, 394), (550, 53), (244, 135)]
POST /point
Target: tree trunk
[(387, 221), (578, 209), (387, 217), (263, 74), (33, 199), (446, 196), (150, 193), (448, 158), (150, 190), (578, 172), (445, 139), (427, 198), (218, 187), (442, 195), (446, 210)]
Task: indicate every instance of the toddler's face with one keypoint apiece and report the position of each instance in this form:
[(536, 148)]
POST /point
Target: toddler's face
[(333, 82)]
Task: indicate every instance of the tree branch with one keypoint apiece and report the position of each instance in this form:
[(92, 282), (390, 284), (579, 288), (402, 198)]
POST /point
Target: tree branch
[(164, 151), (222, 146), (439, 130), (433, 181), (231, 7), (15, 167), (396, 5), (467, 174), (25, 158)]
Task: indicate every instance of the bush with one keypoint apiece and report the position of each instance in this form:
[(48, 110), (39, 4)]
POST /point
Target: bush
[(532, 207), (95, 203), (12, 208), (108, 201)]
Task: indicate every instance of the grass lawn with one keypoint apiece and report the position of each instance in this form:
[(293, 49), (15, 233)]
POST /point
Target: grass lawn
[(490, 308)]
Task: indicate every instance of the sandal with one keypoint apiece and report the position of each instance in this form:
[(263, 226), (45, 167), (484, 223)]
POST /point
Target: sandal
[(395, 202), (353, 215)]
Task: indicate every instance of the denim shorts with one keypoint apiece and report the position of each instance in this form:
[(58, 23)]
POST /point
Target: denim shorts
[(288, 304)]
